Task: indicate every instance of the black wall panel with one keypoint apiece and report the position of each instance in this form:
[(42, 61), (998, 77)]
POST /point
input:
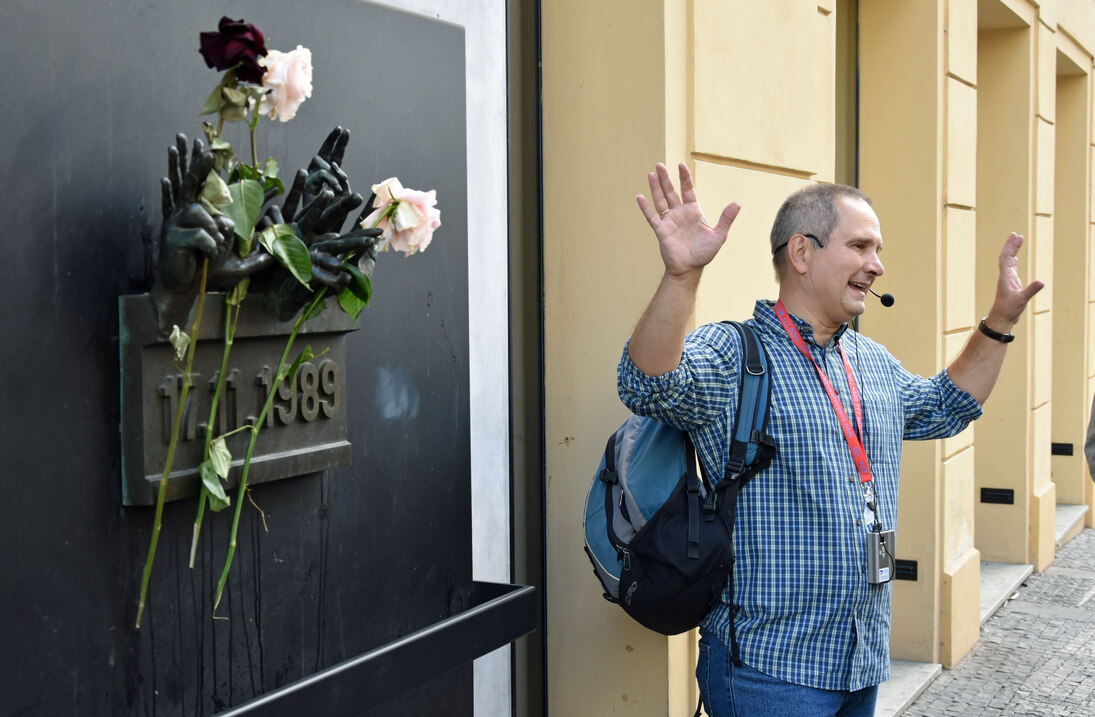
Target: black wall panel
[(92, 96)]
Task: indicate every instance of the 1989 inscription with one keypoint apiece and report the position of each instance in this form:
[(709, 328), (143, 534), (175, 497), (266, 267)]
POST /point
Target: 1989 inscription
[(314, 394)]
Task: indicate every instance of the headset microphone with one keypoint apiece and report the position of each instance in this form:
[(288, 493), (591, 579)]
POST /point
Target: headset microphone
[(885, 299)]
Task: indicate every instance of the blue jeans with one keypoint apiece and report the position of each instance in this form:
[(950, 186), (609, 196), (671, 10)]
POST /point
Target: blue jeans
[(730, 691)]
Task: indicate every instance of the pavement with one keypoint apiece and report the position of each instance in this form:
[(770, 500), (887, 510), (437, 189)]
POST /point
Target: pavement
[(1036, 655)]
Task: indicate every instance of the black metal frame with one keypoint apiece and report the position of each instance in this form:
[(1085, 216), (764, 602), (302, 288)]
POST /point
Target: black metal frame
[(502, 614)]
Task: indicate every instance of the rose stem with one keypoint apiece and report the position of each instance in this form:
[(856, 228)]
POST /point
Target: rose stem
[(281, 374), (176, 425), (229, 336)]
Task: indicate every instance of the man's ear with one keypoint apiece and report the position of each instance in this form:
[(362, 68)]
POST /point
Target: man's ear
[(798, 251)]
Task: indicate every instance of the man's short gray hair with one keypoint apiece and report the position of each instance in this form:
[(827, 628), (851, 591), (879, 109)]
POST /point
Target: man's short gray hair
[(810, 210)]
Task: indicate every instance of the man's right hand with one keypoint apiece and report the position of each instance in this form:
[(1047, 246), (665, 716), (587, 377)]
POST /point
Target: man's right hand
[(687, 242)]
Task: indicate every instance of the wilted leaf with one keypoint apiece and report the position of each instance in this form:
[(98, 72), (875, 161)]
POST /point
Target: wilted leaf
[(218, 503), (212, 483), (220, 456), (213, 103), (232, 113), (367, 261), (215, 191), (180, 340), (234, 96)]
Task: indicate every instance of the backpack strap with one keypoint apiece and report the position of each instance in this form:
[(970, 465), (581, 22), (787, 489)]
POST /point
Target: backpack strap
[(729, 506), (610, 477), (694, 509), (751, 448)]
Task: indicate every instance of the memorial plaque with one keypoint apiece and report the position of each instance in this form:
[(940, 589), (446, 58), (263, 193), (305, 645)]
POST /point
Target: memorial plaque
[(304, 431)]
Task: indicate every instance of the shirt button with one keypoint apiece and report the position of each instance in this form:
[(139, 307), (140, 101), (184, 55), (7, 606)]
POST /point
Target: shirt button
[(859, 522)]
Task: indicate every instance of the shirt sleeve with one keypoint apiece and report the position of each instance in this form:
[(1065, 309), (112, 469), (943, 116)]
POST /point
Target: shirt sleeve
[(935, 407), (694, 394)]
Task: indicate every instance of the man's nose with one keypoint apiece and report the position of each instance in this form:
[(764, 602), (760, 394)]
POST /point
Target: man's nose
[(874, 265)]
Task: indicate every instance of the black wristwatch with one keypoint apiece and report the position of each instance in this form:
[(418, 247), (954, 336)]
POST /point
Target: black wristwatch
[(994, 335)]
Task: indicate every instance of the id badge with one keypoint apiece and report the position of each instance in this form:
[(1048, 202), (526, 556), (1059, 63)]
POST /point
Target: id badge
[(881, 547)]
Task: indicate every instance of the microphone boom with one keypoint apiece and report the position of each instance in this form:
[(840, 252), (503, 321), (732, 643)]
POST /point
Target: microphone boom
[(884, 299)]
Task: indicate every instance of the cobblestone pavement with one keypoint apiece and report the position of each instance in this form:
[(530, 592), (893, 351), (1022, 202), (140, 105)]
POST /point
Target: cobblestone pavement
[(1036, 655)]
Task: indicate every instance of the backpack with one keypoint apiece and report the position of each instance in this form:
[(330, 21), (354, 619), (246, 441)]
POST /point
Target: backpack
[(659, 534)]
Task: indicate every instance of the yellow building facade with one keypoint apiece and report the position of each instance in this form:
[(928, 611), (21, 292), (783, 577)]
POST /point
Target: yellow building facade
[(964, 120)]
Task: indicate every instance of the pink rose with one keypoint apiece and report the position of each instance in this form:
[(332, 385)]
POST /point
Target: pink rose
[(289, 79), (408, 217)]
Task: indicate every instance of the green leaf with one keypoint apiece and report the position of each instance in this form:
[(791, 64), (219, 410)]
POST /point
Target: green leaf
[(305, 355), (281, 241), (274, 182), (269, 175), (212, 484), (350, 303), (246, 171), (357, 293), (243, 247), (220, 456), (318, 309), (360, 284), (246, 204), (239, 291)]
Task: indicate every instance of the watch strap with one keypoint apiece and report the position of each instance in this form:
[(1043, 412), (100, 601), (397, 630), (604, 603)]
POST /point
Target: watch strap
[(994, 335)]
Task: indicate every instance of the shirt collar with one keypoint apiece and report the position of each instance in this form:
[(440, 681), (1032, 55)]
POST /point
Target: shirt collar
[(764, 314)]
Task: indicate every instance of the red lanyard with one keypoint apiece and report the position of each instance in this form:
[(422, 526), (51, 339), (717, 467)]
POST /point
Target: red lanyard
[(859, 454)]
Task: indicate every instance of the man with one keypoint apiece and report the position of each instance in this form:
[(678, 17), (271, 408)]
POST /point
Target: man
[(1089, 443), (811, 623)]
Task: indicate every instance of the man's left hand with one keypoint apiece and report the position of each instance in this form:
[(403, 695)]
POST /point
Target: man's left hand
[(1011, 296)]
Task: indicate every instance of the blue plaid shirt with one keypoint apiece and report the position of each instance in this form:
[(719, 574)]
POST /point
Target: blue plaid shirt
[(803, 609)]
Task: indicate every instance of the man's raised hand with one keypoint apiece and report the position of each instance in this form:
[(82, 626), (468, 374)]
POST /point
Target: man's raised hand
[(1011, 296), (686, 241)]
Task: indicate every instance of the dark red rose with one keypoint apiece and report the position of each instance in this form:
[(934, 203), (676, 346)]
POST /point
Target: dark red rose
[(236, 44)]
